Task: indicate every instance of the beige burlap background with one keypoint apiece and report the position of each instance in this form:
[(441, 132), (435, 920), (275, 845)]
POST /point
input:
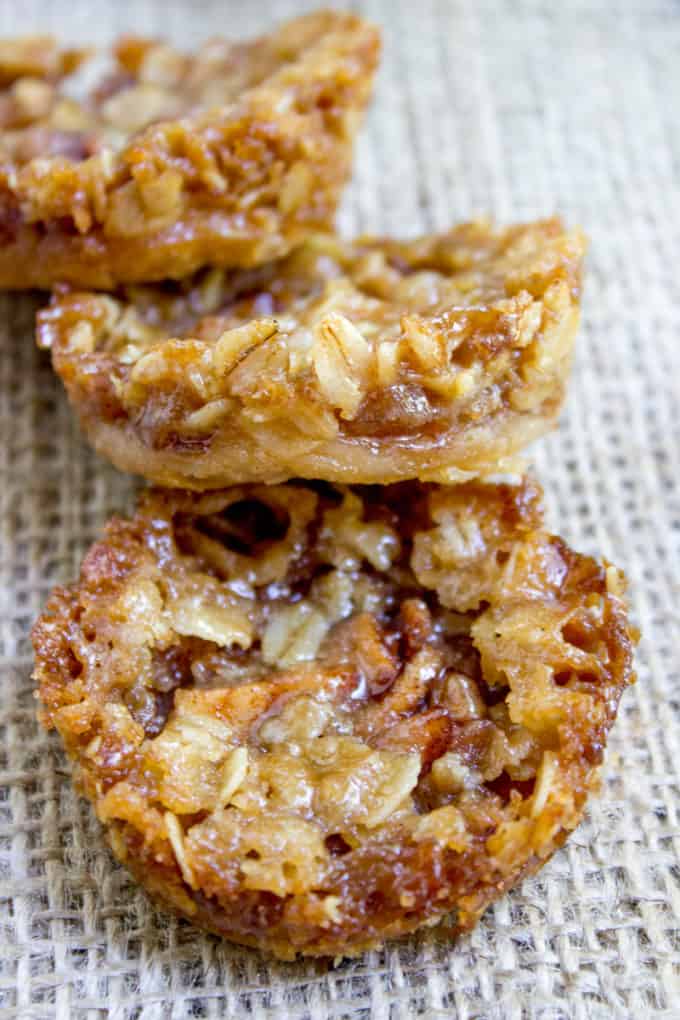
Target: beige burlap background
[(517, 108)]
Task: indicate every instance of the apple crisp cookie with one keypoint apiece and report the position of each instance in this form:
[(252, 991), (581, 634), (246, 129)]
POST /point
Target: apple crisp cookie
[(230, 156), (313, 717), (356, 362)]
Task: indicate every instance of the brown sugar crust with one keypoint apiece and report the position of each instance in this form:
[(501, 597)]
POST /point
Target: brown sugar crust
[(312, 718), (363, 362), (228, 157)]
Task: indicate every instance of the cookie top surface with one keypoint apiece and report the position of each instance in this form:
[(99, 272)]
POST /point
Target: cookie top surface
[(312, 718), (228, 156), (371, 361)]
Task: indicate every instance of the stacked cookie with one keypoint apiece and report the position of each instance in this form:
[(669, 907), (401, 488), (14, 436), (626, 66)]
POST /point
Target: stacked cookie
[(335, 680)]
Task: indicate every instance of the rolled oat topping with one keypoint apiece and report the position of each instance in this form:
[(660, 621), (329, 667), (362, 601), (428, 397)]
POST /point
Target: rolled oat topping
[(229, 156), (313, 717), (372, 361)]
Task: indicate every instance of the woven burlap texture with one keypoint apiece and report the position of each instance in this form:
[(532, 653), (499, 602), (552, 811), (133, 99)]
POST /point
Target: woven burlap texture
[(514, 108)]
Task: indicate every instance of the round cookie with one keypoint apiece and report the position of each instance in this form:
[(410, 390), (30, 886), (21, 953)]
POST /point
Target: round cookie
[(228, 156), (311, 718), (371, 361)]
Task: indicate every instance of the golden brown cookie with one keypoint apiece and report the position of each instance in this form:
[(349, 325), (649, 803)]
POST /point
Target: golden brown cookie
[(229, 157), (311, 718), (372, 361)]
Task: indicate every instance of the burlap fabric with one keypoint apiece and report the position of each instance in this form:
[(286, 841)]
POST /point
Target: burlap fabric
[(517, 108)]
